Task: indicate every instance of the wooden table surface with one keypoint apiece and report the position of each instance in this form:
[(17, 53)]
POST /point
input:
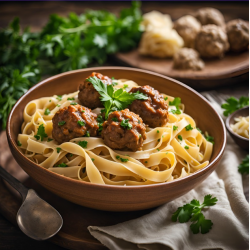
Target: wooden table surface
[(35, 15)]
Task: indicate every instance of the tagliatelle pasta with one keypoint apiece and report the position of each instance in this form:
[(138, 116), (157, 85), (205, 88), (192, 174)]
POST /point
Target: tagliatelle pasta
[(170, 152)]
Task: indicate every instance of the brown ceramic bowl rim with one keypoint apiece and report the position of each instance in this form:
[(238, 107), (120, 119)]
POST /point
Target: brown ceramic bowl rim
[(107, 186), (228, 124)]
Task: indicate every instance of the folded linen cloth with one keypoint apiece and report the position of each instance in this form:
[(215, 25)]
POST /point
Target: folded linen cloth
[(156, 231)]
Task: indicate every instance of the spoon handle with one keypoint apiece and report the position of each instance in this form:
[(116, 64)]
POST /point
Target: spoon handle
[(14, 182)]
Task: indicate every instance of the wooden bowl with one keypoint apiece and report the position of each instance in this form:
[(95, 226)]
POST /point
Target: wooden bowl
[(118, 198), (239, 140)]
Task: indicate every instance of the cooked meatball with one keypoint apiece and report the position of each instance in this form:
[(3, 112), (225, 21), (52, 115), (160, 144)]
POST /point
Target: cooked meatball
[(187, 27), (211, 41), (154, 110), (187, 58), (87, 95), (124, 130), (73, 121), (238, 34), (210, 16)]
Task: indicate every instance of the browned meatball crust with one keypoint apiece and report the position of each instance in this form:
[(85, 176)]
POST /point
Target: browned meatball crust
[(124, 130), (238, 34), (73, 121), (87, 95), (154, 110), (211, 41), (210, 16)]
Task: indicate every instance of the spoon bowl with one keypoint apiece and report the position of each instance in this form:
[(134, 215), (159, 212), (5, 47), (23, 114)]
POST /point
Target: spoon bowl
[(37, 219)]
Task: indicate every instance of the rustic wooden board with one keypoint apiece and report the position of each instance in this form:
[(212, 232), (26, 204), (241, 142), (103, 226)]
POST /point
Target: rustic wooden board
[(74, 234), (234, 67)]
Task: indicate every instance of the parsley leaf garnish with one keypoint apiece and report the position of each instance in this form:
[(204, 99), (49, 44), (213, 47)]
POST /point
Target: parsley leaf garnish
[(19, 144), (61, 123), (58, 150), (125, 124), (176, 102), (47, 111), (175, 127), (209, 138), (81, 123), (111, 99), (71, 99), (243, 168), (232, 104), (189, 127), (59, 97), (83, 144), (62, 165), (122, 159), (192, 211), (180, 137), (41, 133)]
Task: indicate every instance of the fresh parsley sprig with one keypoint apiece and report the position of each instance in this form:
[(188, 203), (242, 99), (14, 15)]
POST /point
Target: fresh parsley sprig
[(193, 211), (232, 104), (41, 133), (243, 168), (114, 99)]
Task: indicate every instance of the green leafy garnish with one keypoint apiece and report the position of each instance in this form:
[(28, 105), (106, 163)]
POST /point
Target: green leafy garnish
[(61, 123), (175, 127), (19, 144), (83, 144), (58, 150), (209, 138), (62, 165), (71, 99), (175, 111), (47, 111), (180, 137), (115, 119), (125, 124), (176, 102), (232, 104), (114, 100), (81, 123), (243, 168), (92, 159), (166, 98), (41, 133), (50, 139), (186, 147), (87, 134), (59, 97), (189, 127), (192, 211), (122, 159), (73, 103), (125, 86)]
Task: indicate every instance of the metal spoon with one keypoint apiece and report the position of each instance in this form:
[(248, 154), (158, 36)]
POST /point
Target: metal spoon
[(36, 218)]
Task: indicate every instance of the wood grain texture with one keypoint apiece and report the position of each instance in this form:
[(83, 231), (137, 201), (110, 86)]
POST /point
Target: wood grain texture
[(218, 72), (108, 197)]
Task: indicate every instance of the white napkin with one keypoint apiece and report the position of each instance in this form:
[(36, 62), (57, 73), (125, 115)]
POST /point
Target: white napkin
[(156, 231)]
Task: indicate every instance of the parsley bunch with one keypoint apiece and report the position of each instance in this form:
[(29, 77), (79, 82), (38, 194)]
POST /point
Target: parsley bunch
[(114, 100), (192, 211), (232, 104), (243, 168), (65, 43)]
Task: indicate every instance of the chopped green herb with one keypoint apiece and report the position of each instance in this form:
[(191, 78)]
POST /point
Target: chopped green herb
[(87, 134), (192, 211), (114, 119), (139, 121), (41, 133), (166, 153), (189, 127), (166, 98), (158, 140), (83, 111), (59, 97), (210, 139), (175, 127), (73, 103), (58, 150), (83, 144), (158, 131), (198, 145), (146, 162), (177, 111), (139, 135), (92, 159), (176, 102), (117, 157), (70, 155), (100, 119), (243, 168), (49, 100), (125, 86), (125, 124), (100, 125), (47, 111), (232, 104), (50, 139), (58, 105), (121, 159), (81, 123), (62, 165), (71, 99), (61, 123), (19, 144), (158, 149), (180, 137), (186, 147)]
